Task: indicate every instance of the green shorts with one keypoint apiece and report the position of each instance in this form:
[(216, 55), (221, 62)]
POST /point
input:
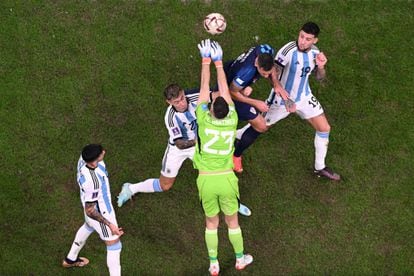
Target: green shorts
[(218, 192)]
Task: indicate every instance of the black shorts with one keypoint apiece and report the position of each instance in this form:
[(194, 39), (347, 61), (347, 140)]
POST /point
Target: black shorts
[(245, 111)]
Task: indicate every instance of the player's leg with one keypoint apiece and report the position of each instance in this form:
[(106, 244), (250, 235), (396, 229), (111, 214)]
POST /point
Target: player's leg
[(81, 236), (171, 164), (248, 113), (312, 111), (112, 242), (211, 239), (208, 198), (113, 256), (228, 198)]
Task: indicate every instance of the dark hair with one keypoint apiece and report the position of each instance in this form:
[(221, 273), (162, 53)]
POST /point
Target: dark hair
[(91, 152), (311, 28), (172, 91), (265, 61), (220, 108)]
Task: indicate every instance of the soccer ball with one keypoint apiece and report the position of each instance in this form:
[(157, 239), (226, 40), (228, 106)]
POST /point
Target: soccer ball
[(215, 23)]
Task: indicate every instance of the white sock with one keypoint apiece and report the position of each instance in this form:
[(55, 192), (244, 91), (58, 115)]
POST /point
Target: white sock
[(80, 239), (321, 149), (150, 185), (239, 132), (113, 258)]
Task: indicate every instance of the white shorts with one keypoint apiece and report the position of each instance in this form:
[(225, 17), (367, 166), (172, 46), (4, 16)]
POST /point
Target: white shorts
[(308, 107), (174, 158), (103, 230)]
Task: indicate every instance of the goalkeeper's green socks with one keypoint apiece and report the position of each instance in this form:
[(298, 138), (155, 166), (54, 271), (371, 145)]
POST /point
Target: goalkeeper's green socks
[(236, 239), (211, 237)]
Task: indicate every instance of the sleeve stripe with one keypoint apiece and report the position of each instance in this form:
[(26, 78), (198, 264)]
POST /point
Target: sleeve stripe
[(171, 117), (94, 179), (288, 48)]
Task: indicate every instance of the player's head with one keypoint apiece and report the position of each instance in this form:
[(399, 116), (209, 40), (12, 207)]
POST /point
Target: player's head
[(93, 153), (308, 35), (264, 64), (220, 108), (174, 96)]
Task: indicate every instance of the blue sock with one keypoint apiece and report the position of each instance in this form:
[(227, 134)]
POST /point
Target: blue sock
[(248, 138), (156, 185)]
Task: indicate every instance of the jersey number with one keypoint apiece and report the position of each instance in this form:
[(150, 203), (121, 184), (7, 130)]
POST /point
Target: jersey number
[(314, 102), (228, 137), (305, 71)]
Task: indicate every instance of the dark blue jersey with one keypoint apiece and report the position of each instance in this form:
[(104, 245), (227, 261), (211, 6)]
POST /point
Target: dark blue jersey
[(242, 70)]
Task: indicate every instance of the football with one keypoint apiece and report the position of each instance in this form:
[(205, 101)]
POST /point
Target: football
[(215, 23)]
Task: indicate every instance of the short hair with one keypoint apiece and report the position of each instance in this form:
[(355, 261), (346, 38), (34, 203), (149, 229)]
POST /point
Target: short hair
[(172, 91), (265, 61), (91, 152), (311, 28), (220, 108)]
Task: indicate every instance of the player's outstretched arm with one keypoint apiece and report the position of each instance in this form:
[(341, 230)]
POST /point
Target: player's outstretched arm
[(217, 57), (204, 47)]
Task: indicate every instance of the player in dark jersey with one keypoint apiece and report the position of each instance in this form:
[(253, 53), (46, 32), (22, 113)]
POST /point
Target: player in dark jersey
[(241, 73)]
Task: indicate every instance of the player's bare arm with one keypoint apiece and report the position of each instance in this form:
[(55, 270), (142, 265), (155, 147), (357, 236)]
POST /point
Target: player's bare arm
[(184, 144), (236, 94), (217, 57), (204, 47), (279, 90), (321, 61), (92, 212)]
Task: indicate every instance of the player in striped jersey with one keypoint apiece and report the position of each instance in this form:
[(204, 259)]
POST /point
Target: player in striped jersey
[(296, 61), (180, 121), (95, 195)]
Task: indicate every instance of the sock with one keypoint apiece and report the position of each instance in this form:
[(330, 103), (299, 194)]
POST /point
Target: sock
[(236, 239), (248, 138), (150, 185), (113, 256), (80, 239), (211, 237), (321, 148), (240, 132)]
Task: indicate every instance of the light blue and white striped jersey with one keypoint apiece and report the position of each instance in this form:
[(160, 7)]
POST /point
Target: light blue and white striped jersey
[(297, 66), (183, 125), (94, 186)]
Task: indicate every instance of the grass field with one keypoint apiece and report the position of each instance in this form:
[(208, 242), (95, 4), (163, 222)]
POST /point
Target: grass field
[(77, 72)]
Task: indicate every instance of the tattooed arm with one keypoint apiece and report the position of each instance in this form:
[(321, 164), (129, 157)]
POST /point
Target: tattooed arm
[(94, 214), (184, 144)]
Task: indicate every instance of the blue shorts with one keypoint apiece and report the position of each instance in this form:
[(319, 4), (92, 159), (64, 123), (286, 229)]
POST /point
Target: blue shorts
[(245, 111)]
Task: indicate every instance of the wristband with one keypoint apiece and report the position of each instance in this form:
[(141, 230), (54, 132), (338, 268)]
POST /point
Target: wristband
[(218, 63), (206, 60)]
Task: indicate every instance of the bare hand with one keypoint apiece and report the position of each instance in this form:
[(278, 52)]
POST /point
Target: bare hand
[(321, 60), (116, 230), (262, 106), (290, 105), (247, 91)]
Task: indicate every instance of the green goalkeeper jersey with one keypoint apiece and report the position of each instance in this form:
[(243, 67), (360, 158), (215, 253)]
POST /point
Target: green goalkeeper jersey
[(214, 151)]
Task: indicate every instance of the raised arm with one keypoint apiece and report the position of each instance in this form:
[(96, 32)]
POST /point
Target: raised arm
[(217, 57), (204, 47)]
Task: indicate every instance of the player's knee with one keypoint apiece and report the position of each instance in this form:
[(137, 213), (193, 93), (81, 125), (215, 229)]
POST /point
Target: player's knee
[(261, 128), (326, 128), (166, 185)]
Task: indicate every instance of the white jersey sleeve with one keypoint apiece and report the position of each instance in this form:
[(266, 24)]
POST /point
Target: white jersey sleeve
[(283, 56), (174, 130)]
